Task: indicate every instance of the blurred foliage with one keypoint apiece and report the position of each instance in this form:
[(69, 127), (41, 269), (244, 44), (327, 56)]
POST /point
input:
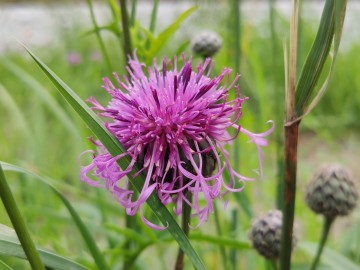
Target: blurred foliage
[(34, 137)]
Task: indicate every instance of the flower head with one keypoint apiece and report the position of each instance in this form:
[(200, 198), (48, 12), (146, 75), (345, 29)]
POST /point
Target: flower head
[(265, 234), (206, 43), (331, 191), (173, 125)]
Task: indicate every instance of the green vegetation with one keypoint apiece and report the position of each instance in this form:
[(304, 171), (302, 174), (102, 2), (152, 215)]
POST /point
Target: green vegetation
[(41, 138)]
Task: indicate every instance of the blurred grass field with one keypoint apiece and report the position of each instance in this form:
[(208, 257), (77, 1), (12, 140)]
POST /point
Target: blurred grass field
[(39, 131)]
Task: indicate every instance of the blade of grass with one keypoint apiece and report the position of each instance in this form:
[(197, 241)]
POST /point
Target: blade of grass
[(32, 84), (98, 36), (4, 266), (19, 224), (159, 42), (316, 59), (10, 246), (153, 16), (18, 117), (114, 148), (90, 242)]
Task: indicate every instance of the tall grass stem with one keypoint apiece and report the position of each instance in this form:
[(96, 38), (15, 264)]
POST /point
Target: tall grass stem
[(133, 12), (99, 38), (128, 51), (278, 97), (291, 143), (220, 233), (185, 226), (153, 16), (19, 224), (325, 232), (130, 221), (233, 251)]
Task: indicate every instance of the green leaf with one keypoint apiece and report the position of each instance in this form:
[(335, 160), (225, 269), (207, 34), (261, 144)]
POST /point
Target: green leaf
[(159, 42), (91, 244), (10, 246), (114, 148), (4, 266), (315, 60), (19, 224), (333, 259), (340, 9)]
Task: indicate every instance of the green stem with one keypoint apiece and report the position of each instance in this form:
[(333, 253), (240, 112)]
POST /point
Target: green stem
[(98, 36), (236, 32), (130, 221), (185, 223), (273, 264), (291, 143), (325, 232), (219, 232), (233, 251), (277, 109), (128, 51), (19, 224), (133, 12), (153, 16)]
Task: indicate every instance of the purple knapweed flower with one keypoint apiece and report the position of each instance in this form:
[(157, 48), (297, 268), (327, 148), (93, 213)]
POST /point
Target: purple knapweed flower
[(173, 124)]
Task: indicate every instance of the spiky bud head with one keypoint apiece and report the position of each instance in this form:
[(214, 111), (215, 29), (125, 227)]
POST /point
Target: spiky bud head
[(265, 234), (331, 191), (206, 44)]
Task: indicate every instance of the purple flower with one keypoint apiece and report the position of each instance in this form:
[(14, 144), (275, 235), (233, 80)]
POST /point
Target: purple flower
[(173, 124)]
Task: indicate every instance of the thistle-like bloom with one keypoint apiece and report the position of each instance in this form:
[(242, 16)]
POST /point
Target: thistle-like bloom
[(173, 124)]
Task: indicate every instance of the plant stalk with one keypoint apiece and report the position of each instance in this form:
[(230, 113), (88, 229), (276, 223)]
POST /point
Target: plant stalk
[(153, 16), (233, 251), (185, 226), (128, 51), (273, 264), (325, 232), (19, 224), (130, 221), (98, 36), (291, 143), (133, 12), (220, 233)]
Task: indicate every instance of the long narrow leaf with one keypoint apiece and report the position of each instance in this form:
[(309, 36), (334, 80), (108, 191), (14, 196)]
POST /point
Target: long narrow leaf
[(10, 246), (163, 37), (19, 224), (114, 148), (339, 16), (4, 266), (90, 242), (316, 59)]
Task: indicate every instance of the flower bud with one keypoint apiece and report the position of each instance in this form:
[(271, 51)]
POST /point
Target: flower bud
[(265, 234), (331, 191), (206, 44)]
